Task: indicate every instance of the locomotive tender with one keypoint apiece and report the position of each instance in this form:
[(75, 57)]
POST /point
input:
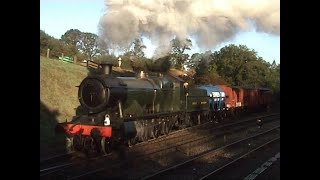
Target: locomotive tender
[(126, 110)]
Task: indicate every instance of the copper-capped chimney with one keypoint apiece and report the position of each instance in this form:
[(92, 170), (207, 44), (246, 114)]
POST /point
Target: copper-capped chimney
[(106, 68)]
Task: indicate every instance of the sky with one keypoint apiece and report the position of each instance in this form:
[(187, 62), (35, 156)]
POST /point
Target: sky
[(58, 16)]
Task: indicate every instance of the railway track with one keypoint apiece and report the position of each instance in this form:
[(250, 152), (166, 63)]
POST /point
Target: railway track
[(207, 163), (145, 149), (206, 125), (178, 150), (51, 164), (57, 158), (253, 164), (186, 134)]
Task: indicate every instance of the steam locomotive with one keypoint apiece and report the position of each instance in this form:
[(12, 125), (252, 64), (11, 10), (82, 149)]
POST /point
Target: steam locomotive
[(127, 110)]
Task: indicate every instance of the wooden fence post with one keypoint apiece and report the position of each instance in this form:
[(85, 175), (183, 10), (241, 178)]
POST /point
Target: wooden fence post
[(48, 52), (61, 56), (74, 59)]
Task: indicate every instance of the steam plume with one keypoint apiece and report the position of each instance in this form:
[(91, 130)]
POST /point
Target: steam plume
[(209, 22)]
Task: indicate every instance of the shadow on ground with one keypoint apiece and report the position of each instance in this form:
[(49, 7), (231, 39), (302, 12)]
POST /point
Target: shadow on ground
[(51, 143)]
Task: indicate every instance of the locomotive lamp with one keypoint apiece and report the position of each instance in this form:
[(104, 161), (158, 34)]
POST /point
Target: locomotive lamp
[(107, 120)]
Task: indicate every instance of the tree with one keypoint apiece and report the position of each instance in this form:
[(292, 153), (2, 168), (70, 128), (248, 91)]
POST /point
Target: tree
[(72, 37), (273, 80), (44, 42), (108, 59), (236, 65), (239, 65), (49, 42), (134, 56), (193, 61), (177, 52), (138, 48), (56, 47), (88, 44), (160, 65), (70, 40), (202, 68), (207, 74), (69, 49)]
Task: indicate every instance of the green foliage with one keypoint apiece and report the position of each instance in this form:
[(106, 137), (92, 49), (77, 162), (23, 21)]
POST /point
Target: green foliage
[(73, 43), (138, 47), (177, 53), (107, 59), (44, 42), (160, 65), (48, 42), (273, 80), (206, 74), (88, 45), (69, 50), (202, 68), (194, 60), (71, 37), (139, 64), (214, 79), (235, 65), (134, 57), (55, 48)]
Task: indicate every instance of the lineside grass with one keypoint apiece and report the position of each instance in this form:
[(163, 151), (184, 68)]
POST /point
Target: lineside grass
[(58, 94)]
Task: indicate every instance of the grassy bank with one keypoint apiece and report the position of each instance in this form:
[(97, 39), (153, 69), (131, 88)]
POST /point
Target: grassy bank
[(58, 92)]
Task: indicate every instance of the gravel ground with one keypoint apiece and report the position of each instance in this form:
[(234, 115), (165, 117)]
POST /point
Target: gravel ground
[(246, 166), (272, 173), (175, 156)]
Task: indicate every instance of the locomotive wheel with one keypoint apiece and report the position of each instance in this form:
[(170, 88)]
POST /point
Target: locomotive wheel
[(69, 144), (192, 120), (106, 145), (94, 146), (88, 141), (77, 143), (188, 120), (166, 128), (156, 131), (132, 141), (144, 136)]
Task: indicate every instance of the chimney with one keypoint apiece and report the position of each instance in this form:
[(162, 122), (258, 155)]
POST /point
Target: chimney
[(106, 69)]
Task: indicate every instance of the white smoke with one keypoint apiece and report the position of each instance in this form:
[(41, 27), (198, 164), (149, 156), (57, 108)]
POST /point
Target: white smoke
[(209, 22)]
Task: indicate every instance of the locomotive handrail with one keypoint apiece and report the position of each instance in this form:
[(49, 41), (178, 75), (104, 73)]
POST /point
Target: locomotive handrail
[(150, 116)]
